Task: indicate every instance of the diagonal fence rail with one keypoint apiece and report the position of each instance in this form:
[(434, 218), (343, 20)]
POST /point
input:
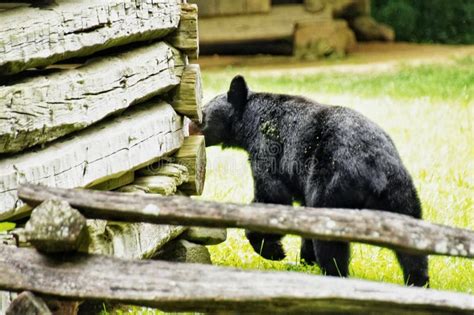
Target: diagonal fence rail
[(366, 226)]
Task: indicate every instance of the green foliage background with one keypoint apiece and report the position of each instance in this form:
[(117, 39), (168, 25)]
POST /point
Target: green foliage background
[(433, 21)]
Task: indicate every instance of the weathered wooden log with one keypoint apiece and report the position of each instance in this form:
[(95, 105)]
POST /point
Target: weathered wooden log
[(158, 178), (257, 6), (138, 240), (278, 24), (204, 288), (366, 226), (317, 39), (366, 28), (127, 240), (187, 97), (162, 185), (6, 298), (27, 303), (12, 5), (114, 183), (42, 108), (315, 5), (178, 172), (205, 236), (55, 227), (186, 37), (192, 154), (209, 8), (15, 237), (135, 139), (33, 37), (185, 252), (349, 8)]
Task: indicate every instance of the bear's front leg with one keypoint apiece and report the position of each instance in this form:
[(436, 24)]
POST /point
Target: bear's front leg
[(266, 245), (268, 189)]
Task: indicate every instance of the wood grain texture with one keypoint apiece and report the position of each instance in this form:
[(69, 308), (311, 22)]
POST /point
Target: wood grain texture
[(331, 38), (117, 182), (192, 155), (278, 24), (204, 288), (366, 226), (185, 252), (138, 240), (210, 8), (158, 178), (33, 37), (154, 184), (127, 240), (137, 138), (179, 173), (42, 108), (186, 37), (187, 97), (315, 5)]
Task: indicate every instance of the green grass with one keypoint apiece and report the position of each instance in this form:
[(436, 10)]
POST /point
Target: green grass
[(428, 111), (453, 82), (6, 226)]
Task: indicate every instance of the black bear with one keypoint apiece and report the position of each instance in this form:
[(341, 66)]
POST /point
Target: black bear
[(323, 156)]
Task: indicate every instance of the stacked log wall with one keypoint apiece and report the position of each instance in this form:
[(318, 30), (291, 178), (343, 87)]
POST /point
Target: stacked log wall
[(93, 94)]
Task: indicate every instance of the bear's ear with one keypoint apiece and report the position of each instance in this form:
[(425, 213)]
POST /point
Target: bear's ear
[(238, 92)]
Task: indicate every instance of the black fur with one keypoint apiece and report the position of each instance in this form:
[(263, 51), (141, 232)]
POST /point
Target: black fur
[(323, 156)]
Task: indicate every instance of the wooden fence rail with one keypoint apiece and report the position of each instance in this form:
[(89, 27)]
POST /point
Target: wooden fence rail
[(365, 226), (194, 287)]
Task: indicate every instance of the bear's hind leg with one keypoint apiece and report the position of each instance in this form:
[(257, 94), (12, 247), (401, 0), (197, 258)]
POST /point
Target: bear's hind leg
[(307, 251), (402, 198), (415, 269), (266, 245), (332, 257)]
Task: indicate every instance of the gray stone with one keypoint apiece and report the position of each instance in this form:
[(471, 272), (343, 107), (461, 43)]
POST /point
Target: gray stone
[(27, 303), (205, 236), (55, 227), (184, 251)]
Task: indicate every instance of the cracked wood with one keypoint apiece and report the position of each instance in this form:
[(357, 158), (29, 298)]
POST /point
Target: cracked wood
[(192, 154), (366, 226), (186, 37), (33, 37), (137, 240), (40, 109), (278, 24), (137, 138), (187, 97), (204, 288)]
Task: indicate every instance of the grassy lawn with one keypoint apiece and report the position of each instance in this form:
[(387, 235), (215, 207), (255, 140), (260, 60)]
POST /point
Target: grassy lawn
[(428, 110)]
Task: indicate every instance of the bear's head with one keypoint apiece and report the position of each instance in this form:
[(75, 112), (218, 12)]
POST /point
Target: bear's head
[(222, 112)]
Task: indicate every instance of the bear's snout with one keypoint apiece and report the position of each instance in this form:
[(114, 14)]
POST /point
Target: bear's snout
[(194, 129)]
